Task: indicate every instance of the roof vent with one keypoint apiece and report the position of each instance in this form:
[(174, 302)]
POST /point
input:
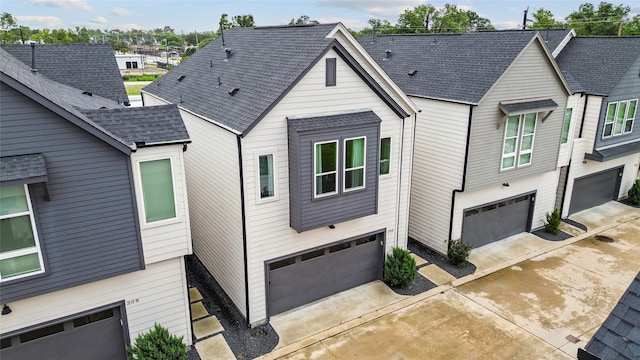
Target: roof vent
[(413, 73), (87, 93), (181, 77), (211, 63), (228, 52), (33, 57), (219, 81), (435, 42), (387, 54), (233, 91), (181, 99)]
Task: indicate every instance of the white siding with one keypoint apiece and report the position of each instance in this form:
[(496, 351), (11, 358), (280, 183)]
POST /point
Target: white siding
[(545, 185), (590, 124), (438, 167), (268, 233), (157, 294), (171, 238)]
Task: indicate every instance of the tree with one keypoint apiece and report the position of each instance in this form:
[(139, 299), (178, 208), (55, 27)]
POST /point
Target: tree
[(380, 26), (632, 27), (224, 23), (607, 19), (243, 21), (168, 30), (7, 23), (427, 18), (303, 20), (417, 20), (543, 19)]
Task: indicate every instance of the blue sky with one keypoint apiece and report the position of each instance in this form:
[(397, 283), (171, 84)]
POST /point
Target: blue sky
[(203, 15)]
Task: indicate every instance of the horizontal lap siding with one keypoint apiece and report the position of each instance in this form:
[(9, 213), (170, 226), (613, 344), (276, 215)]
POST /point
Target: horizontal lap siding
[(91, 205), (575, 102), (268, 233), (438, 167), (156, 295), (530, 76)]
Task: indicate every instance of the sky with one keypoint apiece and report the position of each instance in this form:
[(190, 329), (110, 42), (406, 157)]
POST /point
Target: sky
[(203, 15)]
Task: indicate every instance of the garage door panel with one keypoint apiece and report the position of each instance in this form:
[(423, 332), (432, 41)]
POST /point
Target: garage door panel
[(594, 190)]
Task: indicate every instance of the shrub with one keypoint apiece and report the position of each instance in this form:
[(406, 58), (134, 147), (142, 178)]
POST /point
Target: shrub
[(157, 344), (634, 193), (552, 223), (458, 253), (399, 268)]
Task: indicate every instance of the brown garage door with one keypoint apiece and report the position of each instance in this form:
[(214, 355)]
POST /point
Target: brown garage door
[(98, 335), (303, 278)]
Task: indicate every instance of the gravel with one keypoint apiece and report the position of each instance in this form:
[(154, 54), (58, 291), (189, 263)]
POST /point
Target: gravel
[(440, 260)]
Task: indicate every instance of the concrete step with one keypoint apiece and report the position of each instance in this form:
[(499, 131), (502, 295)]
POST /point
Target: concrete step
[(206, 327)]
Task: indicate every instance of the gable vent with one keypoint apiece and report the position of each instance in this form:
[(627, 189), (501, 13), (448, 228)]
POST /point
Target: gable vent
[(233, 91), (181, 77)]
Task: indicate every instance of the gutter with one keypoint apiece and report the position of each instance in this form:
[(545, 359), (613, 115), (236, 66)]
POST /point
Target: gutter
[(464, 173)]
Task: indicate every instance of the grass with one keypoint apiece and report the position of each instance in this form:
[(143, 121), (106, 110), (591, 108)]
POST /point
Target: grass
[(145, 77), (134, 89)]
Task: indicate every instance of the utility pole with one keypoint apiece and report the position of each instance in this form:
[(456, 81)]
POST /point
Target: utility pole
[(620, 29)]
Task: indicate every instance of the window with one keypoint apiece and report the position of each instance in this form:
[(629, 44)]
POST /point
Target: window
[(331, 72), (518, 140), (20, 253), (385, 155), (135, 64), (326, 172), (619, 118), (354, 167), (566, 125), (157, 190), (128, 64), (267, 185)]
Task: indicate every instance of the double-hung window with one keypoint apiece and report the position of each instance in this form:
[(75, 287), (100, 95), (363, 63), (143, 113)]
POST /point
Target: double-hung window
[(354, 163), (326, 169), (20, 253), (566, 125), (518, 140), (619, 118), (266, 173), (385, 155), (157, 190)]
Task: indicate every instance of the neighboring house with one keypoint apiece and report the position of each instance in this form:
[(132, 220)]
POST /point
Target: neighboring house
[(130, 61), (300, 169), (88, 67), (619, 335), (93, 220), (600, 149), (487, 138)]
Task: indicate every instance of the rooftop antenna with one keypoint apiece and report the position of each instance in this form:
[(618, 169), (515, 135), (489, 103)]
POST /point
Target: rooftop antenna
[(222, 33), (524, 19)]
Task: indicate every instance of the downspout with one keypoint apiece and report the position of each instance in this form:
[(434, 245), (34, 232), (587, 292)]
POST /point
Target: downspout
[(244, 230), (584, 112), (464, 173), (399, 182)]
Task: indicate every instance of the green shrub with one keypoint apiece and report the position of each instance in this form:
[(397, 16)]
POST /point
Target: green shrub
[(157, 344), (634, 193), (399, 268), (552, 223), (458, 253)]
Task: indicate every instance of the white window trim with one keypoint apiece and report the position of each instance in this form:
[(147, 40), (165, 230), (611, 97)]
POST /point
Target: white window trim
[(518, 151), (344, 166), (260, 200), (627, 117), (26, 251), (140, 195), (390, 152), (315, 174)]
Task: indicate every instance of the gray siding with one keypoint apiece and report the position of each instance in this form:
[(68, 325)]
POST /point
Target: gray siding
[(307, 213), (88, 229), (628, 88)]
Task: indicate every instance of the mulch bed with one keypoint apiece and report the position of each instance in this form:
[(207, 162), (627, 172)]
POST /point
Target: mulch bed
[(548, 236), (433, 257)]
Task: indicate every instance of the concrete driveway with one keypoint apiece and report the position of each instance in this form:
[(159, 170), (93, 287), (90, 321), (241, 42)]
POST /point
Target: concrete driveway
[(541, 308)]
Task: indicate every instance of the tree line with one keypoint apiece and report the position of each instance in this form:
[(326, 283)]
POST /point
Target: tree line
[(588, 19)]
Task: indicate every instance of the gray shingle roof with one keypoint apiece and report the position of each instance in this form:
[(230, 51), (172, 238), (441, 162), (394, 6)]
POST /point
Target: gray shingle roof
[(334, 121), (143, 125), (552, 37), (89, 67), (24, 167), (455, 67), (598, 63), (619, 336), (264, 63), (522, 106)]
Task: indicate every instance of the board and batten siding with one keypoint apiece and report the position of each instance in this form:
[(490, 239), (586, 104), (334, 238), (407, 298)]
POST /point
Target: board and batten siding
[(531, 75), (269, 235), (171, 238), (88, 230), (438, 168), (157, 294)]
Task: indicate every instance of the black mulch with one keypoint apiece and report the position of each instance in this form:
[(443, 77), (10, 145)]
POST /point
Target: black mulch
[(246, 343), (629, 203), (434, 257), (576, 224), (419, 285), (549, 236)]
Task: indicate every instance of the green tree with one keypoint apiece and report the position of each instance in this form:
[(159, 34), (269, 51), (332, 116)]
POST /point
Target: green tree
[(303, 20), (243, 21), (605, 20), (427, 18), (380, 26), (543, 19), (416, 20), (632, 27), (7, 23), (224, 23)]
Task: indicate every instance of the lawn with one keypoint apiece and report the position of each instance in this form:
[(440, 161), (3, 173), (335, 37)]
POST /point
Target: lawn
[(134, 89)]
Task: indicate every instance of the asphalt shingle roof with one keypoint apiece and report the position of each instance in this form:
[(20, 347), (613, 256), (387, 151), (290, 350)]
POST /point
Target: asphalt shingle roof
[(598, 63), (619, 336), (264, 63), (334, 121), (456, 67), (22, 167), (89, 67)]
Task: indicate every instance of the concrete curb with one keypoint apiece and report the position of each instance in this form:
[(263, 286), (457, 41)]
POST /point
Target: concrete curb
[(318, 337)]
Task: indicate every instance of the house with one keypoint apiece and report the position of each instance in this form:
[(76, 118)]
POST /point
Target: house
[(94, 219), (299, 172), (130, 61), (96, 73), (619, 335), (600, 149), (487, 138)]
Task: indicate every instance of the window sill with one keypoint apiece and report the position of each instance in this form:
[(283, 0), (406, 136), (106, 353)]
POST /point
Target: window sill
[(160, 223)]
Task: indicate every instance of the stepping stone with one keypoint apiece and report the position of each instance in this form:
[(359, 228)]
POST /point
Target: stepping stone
[(194, 295), (436, 275), (207, 326), (214, 348), (419, 261), (198, 311)]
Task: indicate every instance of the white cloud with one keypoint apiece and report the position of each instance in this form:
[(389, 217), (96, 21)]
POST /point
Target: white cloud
[(101, 20), (128, 27), (378, 8), (50, 22), (121, 12), (64, 4), (507, 25)]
